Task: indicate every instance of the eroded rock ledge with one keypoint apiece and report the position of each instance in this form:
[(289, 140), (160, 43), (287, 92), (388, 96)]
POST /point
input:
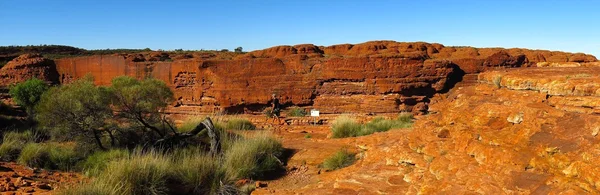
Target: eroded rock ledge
[(378, 76), (575, 89)]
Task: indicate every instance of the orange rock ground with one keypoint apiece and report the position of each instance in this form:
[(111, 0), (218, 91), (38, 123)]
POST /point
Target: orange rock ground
[(17, 179), (478, 139)]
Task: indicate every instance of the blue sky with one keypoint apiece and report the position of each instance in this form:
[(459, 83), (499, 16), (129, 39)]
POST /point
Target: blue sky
[(572, 26)]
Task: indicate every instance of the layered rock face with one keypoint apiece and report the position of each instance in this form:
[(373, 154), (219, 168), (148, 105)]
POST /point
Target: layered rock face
[(379, 76)]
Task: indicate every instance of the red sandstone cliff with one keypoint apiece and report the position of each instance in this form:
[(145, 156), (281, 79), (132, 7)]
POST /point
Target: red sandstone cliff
[(378, 76)]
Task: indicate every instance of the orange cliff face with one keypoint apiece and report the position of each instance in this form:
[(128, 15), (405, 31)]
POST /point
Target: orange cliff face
[(378, 76)]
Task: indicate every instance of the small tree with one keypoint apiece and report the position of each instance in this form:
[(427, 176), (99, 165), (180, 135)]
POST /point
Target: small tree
[(238, 50), (28, 94), (77, 110), (141, 102)]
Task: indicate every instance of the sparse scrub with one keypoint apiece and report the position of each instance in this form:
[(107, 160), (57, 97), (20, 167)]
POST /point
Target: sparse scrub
[(340, 159), (182, 171), (254, 157), (239, 124), (12, 144), (296, 112), (307, 136)]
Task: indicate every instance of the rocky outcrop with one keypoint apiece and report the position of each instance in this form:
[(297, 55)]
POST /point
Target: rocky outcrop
[(28, 66), (574, 89), (378, 76), (477, 139)]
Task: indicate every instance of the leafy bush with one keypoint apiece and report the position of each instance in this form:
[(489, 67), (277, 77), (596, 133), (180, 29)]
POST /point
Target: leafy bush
[(240, 124), (28, 93), (12, 144), (296, 111), (345, 126), (339, 160), (97, 162), (253, 158), (78, 110)]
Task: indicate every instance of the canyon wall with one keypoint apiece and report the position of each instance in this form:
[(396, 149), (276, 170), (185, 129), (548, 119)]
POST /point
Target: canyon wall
[(378, 76)]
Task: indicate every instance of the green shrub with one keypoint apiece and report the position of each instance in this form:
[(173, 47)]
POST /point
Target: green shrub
[(240, 124), (253, 158), (345, 126), (97, 162), (28, 93), (296, 111), (339, 160), (307, 136), (34, 155), (13, 142)]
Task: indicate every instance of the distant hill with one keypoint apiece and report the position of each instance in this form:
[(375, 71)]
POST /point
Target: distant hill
[(7, 53)]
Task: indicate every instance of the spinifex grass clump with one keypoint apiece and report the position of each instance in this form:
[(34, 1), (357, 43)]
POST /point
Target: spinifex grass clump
[(345, 126), (239, 124), (49, 155), (340, 159), (97, 162), (182, 171), (253, 158), (12, 144), (296, 112)]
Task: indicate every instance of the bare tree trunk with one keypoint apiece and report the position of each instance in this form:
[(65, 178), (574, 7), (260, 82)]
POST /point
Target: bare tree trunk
[(206, 124), (112, 138), (97, 138), (213, 134)]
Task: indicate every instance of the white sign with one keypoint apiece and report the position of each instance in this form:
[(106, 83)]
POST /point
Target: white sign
[(314, 113)]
